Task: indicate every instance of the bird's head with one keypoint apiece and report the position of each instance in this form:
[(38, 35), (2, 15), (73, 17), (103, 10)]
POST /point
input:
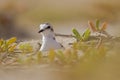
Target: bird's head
[(46, 29)]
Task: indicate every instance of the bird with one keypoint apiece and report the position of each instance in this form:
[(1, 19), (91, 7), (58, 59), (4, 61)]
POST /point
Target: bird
[(48, 38)]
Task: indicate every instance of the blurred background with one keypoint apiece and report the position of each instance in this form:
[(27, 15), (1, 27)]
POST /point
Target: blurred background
[(21, 18)]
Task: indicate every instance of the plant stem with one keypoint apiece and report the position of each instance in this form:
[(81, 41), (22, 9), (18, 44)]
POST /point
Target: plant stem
[(63, 35)]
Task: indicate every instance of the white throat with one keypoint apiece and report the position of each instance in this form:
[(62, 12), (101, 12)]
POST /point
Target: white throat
[(49, 42)]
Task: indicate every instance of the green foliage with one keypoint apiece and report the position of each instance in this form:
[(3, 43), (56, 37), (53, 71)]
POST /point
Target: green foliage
[(77, 34), (26, 48), (7, 48), (84, 36), (97, 24), (60, 56), (97, 27), (7, 45)]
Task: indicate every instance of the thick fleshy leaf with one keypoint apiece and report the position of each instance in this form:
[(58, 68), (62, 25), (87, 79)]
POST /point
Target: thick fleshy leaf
[(86, 34), (77, 34), (91, 25), (11, 40), (1, 42), (11, 48), (104, 26), (97, 24)]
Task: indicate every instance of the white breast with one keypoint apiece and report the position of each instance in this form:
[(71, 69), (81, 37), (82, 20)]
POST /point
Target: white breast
[(50, 43)]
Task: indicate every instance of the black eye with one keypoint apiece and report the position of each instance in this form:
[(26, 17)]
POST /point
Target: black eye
[(48, 27)]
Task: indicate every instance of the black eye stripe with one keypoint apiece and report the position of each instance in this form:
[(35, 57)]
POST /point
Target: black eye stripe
[(40, 31), (49, 28), (45, 29)]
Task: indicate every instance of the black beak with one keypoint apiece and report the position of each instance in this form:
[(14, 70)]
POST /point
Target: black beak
[(40, 31)]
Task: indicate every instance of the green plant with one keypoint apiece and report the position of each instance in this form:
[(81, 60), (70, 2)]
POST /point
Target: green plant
[(97, 27), (7, 45), (7, 48), (26, 48), (82, 37)]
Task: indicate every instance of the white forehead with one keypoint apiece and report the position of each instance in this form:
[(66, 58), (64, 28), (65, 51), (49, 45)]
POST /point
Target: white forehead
[(43, 26)]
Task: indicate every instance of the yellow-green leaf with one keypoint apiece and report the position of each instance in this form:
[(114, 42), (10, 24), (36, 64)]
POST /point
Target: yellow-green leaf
[(11, 40), (11, 49), (77, 34), (60, 55), (97, 24), (1, 42), (39, 56), (86, 34), (51, 55)]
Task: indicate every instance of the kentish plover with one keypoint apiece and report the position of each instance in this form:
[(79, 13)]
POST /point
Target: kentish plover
[(48, 38)]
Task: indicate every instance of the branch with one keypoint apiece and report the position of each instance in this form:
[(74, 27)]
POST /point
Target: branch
[(63, 35)]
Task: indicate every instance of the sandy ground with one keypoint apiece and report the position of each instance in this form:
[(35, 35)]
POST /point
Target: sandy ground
[(39, 72)]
